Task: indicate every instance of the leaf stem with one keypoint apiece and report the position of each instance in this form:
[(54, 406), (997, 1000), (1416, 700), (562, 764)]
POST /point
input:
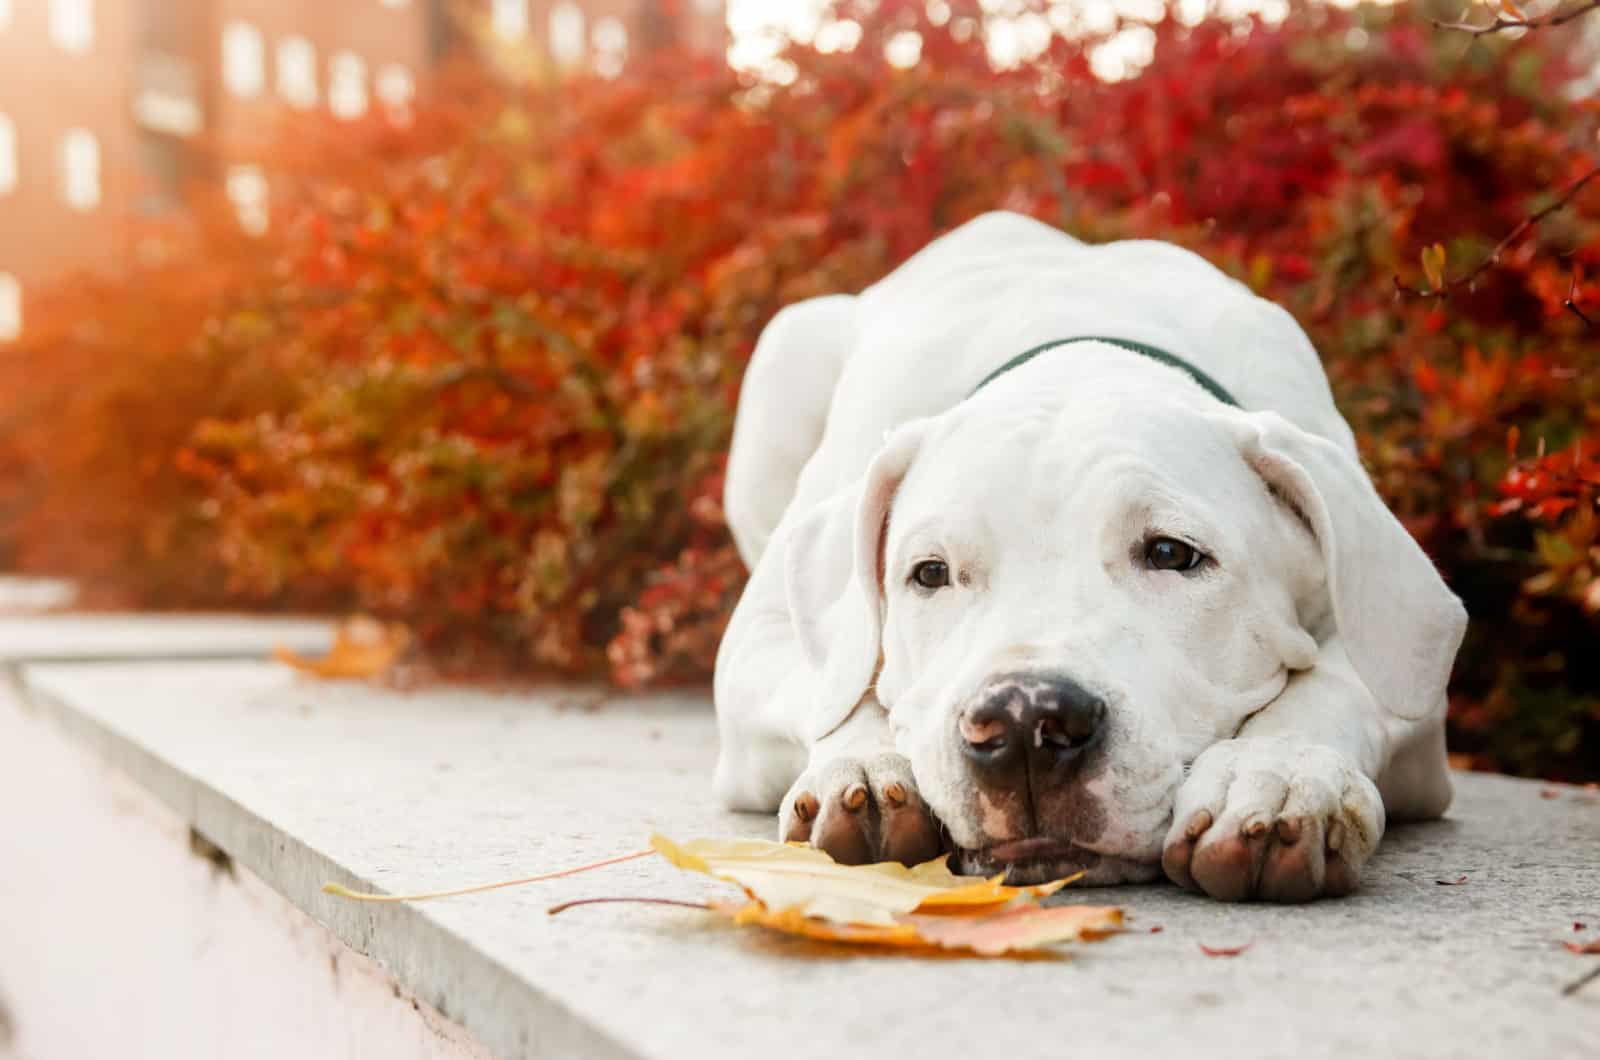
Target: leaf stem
[(564, 906), (366, 896)]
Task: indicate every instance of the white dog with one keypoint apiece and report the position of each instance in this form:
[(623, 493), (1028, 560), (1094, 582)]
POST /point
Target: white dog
[(1063, 559)]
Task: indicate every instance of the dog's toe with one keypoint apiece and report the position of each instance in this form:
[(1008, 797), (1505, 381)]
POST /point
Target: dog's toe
[(909, 834), (845, 830), (1227, 862), (1293, 868), (1178, 854)]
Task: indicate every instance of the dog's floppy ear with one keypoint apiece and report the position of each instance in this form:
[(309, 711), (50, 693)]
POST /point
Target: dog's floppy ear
[(1399, 622), (834, 583)]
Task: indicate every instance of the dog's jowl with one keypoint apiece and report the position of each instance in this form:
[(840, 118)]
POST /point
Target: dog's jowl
[(1062, 559)]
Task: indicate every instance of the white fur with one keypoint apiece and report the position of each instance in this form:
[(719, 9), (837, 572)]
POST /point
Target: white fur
[(859, 441)]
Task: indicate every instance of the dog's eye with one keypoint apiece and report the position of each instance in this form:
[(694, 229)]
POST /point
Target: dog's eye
[(931, 574), (1168, 553)]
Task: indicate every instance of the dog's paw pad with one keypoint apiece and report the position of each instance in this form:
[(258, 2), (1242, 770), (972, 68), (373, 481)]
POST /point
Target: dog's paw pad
[(861, 811)]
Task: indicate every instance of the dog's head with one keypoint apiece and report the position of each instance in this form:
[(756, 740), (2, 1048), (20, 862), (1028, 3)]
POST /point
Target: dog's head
[(1062, 600)]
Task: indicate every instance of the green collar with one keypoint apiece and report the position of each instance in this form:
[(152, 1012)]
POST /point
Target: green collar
[(1214, 388)]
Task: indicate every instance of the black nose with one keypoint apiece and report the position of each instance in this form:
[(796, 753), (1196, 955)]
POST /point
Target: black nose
[(1045, 721)]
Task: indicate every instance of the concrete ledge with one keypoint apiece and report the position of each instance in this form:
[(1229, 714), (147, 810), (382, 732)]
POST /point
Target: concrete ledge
[(108, 637), (302, 782), (111, 904)]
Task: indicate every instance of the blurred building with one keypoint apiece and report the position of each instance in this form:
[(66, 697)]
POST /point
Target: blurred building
[(103, 103)]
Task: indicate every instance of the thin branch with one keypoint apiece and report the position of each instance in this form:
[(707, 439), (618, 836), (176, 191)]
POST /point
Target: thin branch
[(1501, 23), (1567, 194), (1572, 298)]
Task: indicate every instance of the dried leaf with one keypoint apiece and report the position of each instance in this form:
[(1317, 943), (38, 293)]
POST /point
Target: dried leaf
[(362, 648), (1433, 265), (1457, 882), (792, 921), (1224, 951), (1510, 8), (1021, 928), (787, 877), (1592, 946)]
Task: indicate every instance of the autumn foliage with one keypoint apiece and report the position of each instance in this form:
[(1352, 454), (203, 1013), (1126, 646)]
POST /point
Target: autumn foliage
[(480, 373)]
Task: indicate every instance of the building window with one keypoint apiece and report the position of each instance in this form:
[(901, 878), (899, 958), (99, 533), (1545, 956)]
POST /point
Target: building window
[(610, 46), (161, 164), (8, 154), (10, 307), (509, 19), (347, 85), (247, 190), (395, 86), (297, 72), (566, 34), (167, 99), (80, 169), (243, 60), (72, 24)]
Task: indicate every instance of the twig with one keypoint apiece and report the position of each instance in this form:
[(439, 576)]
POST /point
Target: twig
[(1567, 194), (1572, 298), (1502, 23), (1582, 981), (564, 906)]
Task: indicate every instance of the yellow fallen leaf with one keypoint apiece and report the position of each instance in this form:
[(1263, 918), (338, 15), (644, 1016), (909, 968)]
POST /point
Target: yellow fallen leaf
[(786, 877), (1018, 929), (362, 648)]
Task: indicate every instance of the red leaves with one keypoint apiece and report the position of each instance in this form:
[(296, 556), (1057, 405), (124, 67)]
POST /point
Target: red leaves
[(1224, 951)]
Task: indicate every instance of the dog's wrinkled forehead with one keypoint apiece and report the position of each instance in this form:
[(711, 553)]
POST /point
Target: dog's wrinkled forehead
[(1030, 468)]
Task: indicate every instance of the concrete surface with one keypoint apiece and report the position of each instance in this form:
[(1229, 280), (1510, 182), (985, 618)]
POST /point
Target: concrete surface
[(302, 782), (123, 936), (97, 637)]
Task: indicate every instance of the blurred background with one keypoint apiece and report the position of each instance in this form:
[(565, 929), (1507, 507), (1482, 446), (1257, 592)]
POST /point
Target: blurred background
[(436, 310)]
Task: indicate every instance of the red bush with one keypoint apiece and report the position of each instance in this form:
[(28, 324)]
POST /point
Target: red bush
[(481, 372)]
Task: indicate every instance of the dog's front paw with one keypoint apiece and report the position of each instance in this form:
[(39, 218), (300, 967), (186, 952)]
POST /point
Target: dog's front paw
[(1274, 819), (860, 811)]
